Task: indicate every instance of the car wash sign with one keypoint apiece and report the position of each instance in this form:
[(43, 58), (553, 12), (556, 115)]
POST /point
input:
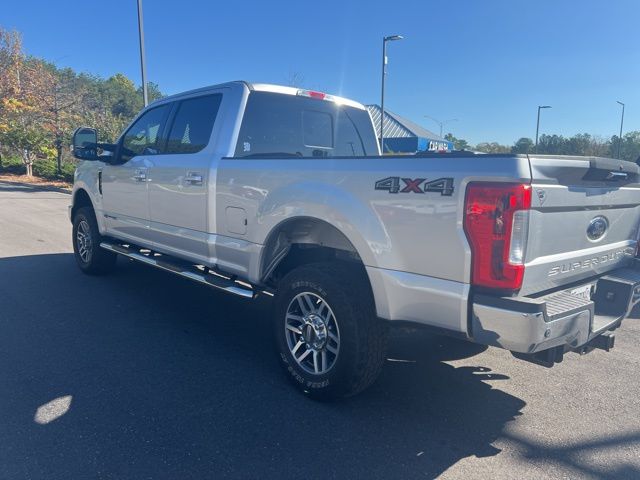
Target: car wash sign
[(439, 146)]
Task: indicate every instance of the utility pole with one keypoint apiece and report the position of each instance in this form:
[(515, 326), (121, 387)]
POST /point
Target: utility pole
[(390, 38), (538, 125), (621, 123), (143, 66)]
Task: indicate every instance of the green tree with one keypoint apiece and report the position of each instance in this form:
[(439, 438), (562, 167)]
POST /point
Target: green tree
[(153, 92), (458, 143), (630, 148), (492, 147), (121, 94), (41, 104), (10, 59), (523, 145), (22, 116), (60, 99), (582, 144), (552, 145), (109, 126), (28, 140)]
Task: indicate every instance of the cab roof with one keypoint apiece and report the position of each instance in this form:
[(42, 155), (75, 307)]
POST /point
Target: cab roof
[(267, 87)]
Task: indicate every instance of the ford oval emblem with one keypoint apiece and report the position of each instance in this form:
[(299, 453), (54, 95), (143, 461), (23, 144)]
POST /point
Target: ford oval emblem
[(597, 228)]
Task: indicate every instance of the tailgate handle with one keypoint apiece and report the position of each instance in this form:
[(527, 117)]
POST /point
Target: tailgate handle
[(617, 176)]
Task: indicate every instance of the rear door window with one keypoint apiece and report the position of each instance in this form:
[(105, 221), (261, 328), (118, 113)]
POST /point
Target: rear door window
[(192, 124), (276, 124)]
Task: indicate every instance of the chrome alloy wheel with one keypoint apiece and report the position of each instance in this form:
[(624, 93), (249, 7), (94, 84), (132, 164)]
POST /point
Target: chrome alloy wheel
[(312, 333), (83, 240)]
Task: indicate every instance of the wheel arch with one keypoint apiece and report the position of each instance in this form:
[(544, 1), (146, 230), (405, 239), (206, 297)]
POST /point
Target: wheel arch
[(304, 239), (81, 198)]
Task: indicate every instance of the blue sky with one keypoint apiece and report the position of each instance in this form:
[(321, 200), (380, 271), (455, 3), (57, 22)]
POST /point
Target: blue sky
[(488, 63)]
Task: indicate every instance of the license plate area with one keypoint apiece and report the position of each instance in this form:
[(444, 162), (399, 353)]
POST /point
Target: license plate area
[(584, 292)]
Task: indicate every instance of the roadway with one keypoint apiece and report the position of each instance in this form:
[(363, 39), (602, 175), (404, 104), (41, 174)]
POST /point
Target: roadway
[(141, 374)]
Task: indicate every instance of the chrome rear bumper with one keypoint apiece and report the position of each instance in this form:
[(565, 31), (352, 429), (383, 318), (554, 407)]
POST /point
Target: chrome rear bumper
[(558, 320)]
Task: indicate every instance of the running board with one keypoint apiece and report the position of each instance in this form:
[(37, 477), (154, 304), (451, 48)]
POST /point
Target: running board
[(192, 272)]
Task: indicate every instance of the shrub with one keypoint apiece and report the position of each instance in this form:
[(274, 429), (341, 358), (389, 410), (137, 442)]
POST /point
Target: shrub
[(44, 168), (12, 164), (48, 169)]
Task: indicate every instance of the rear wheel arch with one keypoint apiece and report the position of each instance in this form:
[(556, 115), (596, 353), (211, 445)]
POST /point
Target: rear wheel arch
[(302, 240)]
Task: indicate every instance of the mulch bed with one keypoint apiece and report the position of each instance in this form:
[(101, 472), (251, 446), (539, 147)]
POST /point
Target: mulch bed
[(36, 181)]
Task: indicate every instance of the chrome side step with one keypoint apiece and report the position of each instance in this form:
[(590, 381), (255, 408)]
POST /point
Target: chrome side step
[(192, 272)]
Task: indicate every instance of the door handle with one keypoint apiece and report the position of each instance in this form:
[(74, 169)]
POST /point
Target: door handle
[(617, 176), (193, 178), (140, 175)]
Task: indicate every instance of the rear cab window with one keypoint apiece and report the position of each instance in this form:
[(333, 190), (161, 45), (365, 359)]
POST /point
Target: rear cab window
[(276, 124)]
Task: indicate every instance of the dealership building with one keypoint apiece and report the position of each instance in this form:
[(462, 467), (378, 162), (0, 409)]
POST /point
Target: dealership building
[(404, 136)]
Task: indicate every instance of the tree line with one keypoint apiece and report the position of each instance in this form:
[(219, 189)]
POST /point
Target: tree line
[(42, 104), (579, 144)]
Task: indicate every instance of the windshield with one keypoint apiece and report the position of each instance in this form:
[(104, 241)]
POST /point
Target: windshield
[(285, 125)]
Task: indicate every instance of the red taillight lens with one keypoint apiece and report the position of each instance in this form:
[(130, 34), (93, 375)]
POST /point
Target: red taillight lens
[(497, 248), (314, 94)]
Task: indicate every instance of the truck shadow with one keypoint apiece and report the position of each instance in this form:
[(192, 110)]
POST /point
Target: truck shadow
[(162, 378)]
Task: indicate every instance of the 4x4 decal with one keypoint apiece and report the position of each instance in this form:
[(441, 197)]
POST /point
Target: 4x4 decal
[(392, 184)]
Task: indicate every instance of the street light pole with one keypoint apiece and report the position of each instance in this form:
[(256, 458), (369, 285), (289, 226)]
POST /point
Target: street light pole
[(538, 125), (143, 66), (621, 123), (390, 38), (442, 124)]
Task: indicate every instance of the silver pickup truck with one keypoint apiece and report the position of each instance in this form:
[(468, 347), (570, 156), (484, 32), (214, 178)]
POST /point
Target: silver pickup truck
[(265, 190)]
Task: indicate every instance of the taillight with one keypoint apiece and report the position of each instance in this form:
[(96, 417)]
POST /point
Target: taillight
[(496, 223), (314, 94)]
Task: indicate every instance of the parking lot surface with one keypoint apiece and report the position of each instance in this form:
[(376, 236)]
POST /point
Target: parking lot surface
[(141, 374)]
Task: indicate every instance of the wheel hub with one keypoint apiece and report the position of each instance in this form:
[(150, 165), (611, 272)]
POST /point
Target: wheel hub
[(84, 242), (314, 332)]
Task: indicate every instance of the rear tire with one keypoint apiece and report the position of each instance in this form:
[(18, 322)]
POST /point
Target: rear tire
[(91, 259), (330, 341)]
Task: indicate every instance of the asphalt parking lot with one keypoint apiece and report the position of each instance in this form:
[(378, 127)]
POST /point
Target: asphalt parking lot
[(141, 374)]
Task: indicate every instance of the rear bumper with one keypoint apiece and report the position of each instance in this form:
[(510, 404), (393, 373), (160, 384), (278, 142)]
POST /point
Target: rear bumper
[(558, 320)]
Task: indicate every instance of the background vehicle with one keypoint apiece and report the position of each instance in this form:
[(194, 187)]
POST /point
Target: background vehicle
[(259, 188)]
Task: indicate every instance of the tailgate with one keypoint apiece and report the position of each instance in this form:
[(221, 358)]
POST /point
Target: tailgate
[(584, 219)]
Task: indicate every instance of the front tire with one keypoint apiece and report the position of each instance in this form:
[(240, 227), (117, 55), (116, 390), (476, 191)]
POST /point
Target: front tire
[(329, 339), (91, 259)]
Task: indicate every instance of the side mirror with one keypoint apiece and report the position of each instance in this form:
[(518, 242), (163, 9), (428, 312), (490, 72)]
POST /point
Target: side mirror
[(85, 143)]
